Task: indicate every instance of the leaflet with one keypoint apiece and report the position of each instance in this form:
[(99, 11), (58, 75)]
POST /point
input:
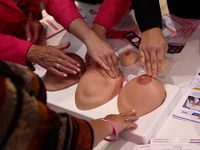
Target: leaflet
[(175, 144), (189, 106)]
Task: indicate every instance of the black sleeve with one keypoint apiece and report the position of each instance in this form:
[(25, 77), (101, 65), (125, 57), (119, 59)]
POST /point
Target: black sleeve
[(147, 13)]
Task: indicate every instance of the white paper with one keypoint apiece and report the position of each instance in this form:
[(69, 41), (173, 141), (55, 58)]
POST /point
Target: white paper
[(189, 106), (175, 144)]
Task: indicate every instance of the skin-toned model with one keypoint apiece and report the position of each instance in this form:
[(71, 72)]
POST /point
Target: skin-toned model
[(143, 93), (53, 82), (96, 87)]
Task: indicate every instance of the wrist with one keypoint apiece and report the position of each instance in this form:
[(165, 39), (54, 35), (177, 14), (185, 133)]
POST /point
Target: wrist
[(99, 30), (114, 129), (30, 53)]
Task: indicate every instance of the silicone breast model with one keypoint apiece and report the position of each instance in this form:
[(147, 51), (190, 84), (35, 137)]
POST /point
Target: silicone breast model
[(165, 64), (143, 94), (53, 82), (129, 58), (96, 87)]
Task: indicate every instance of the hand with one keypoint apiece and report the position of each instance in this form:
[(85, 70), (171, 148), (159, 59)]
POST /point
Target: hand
[(152, 50), (121, 121), (49, 56), (103, 54), (34, 30), (100, 51)]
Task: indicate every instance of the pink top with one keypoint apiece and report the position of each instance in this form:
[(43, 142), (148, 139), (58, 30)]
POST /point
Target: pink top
[(65, 11), (12, 21)]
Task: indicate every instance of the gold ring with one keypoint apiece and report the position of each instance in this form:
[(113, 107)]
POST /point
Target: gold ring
[(126, 118), (57, 65)]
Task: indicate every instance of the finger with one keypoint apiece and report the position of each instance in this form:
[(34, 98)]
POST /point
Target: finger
[(116, 66), (68, 67), (36, 33), (63, 46), (57, 72), (103, 64), (112, 68), (153, 63), (42, 34), (147, 63), (131, 125), (88, 60), (28, 33), (109, 72), (160, 57), (142, 58), (66, 60), (132, 118)]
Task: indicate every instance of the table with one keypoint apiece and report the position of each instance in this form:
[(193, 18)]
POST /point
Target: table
[(181, 76)]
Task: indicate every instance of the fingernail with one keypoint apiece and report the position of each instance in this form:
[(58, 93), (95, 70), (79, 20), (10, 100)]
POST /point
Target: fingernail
[(74, 72), (137, 115), (108, 68), (113, 76), (79, 70), (65, 75), (133, 110), (29, 39), (149, 73), (78, 65)]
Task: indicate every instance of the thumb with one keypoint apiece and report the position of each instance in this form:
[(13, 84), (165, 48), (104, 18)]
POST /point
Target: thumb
[(63, 46)]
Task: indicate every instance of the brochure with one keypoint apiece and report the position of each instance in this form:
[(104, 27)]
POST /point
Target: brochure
[(175, 144), (189, 106)]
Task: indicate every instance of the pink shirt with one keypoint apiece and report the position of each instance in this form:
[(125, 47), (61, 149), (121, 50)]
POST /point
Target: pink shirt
[(12, 21), (65, 11)]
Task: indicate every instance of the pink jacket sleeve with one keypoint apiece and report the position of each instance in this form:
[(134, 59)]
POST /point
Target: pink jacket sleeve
[(63, 11), (15, 51), (111, 12)]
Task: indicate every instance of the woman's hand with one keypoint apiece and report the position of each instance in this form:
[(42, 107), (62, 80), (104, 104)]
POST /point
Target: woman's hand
[(99, 50), (121, 121), (53, 59), (34, 30), (152, 50)]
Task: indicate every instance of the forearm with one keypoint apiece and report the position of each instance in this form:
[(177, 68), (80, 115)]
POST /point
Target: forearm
[(101, 129), (111, 12), (82, 31), (99, 30)]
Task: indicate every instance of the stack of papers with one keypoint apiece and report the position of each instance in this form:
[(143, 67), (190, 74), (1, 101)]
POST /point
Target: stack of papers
[(171, 144)]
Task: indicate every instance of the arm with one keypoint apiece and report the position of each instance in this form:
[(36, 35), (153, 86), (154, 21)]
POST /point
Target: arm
[(34, 31), (18, 51), (44, 128), (153, 45), (65, 12)]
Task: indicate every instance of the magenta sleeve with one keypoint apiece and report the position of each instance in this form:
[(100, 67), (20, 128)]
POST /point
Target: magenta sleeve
[(63, 11), (111, 12), (13, 49)]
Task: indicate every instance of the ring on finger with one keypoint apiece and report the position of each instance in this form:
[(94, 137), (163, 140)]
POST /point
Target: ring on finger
[(57, 66), (126, 119)]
